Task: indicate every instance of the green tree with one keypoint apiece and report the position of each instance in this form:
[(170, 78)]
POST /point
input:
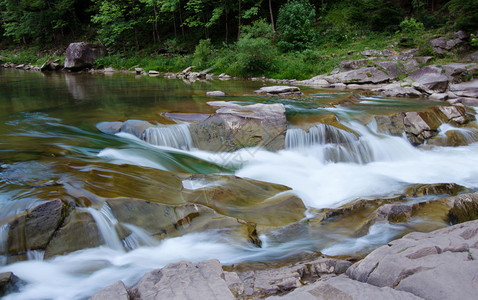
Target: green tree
[(464, 14), (294, 24)]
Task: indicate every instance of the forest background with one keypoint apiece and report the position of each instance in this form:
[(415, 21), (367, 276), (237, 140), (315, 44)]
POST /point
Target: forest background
[(274, 38)]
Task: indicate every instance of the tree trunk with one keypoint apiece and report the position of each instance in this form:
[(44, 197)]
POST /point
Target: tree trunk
[(239, 21), (272, 16), (227, 28), (181, 19)]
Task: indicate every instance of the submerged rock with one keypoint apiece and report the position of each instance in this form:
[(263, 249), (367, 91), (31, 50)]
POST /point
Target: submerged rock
[(281, 90), (9, 283)]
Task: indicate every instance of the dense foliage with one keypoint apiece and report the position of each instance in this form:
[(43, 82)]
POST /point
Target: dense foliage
[(245, 37)]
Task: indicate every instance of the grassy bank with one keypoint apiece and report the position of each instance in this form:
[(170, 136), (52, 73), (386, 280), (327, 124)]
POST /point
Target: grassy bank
[(258, 56)]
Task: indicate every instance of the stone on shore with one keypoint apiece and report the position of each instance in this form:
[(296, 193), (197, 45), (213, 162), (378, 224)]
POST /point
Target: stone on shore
[(359, 76), (82, 55), (466, 89), (429, 79), (216, 94), (116, 291), (184, 280), (437, 265)]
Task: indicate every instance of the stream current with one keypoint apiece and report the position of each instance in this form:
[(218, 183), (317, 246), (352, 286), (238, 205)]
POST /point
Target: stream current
[(50, 149)]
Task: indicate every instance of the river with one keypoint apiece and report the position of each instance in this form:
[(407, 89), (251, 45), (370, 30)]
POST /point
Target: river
[(50, 148)]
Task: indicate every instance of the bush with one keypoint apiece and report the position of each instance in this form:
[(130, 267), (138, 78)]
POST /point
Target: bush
[(202, 57), (254, 56), (411, 26), (294, 24), (258, 29)]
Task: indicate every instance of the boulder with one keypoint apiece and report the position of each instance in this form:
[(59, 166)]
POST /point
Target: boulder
[(33, 230), (375, 53), (420, 126), (359, 76), (466, 89), (344, 288), (465, 101), (429, 79), (116, 291), (349, 65), (134, 127), (184, 280), (279, 90), (82, 55), (444, 44), (234, 127), (465, 208), (395, 68), (78, 232), (109, 127), (9, 283), (459, 70), (216, 94), (392, 124), (437, 265), (453, 114), (51, 64)]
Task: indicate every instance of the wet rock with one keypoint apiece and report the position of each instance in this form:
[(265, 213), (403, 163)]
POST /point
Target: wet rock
[(465, 208), (50, 65), (420, 190), (216, 94), (279, 90), (33, 230), (153, 73), (439, 96), (344, 288), (184, 280), (79, 231), (116, 291), (234, 127), (257, 202), (420, 126), (466, 89), (465, 101), (82, 55), (9, 283), (392, 124), (186, 117), (109, 127), (394, 213), (135, 127), (429, 79), (436, 265), (359, 76), (453, 114)]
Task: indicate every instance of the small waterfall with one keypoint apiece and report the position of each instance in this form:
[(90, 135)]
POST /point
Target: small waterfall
[(138, 237), (176, 136), (106, 222), (333, 144), (35, 255), (3, 243), (466, 135)]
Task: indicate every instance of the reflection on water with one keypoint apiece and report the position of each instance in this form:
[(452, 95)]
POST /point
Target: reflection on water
[(51, 149)]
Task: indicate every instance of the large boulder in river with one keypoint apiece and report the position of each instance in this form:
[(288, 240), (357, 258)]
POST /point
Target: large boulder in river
[(234, 127), (82, 55), (438, 265), (466, 89), (359, 76)]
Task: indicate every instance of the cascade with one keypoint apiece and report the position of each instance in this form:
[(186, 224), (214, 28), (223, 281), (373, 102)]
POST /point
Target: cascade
[(175, 136), (106, 223), (138, 237)]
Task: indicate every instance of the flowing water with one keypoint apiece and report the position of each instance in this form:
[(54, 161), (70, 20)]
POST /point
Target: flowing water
[(50, 148)]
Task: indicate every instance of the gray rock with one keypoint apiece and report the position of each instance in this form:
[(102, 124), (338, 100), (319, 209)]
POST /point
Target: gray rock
[(439, 96), (436, 265), (423, 59), (216, 94), (234, 127), (458, 70), (109, 127), (474, 57), (396, 68), (430, 79), (184, 280), (344, 288), (466, 89), (135, 127), (116, 291), (359, 76), (420, 126), (279, 90), (398, 90), (9, 283), (82, 55), (50, 65), (384, 52), (34, 230), (349, 65), (466, 101)]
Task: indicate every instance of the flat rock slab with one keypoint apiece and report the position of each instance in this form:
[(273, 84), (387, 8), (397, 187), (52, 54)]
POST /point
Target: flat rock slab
[(359, 76), (184, 280), (344, 288), (438, 265), (279, 90), (466, 89), (116, 291), (216, 94)]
